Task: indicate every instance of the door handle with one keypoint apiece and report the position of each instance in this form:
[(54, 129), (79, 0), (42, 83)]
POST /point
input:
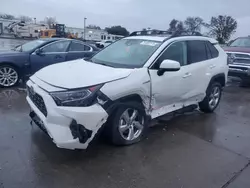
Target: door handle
[(212, 66), (188, 74)]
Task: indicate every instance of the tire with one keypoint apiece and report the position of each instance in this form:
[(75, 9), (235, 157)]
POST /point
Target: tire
[(119, 133), (206, 105), (9, 76)]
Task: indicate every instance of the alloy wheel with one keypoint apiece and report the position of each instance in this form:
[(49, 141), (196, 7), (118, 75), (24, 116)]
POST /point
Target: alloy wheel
[(131, 124), (214, 97), (8, 76)]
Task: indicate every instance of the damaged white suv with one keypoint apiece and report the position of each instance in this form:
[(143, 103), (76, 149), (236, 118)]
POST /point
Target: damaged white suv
[(124, 86)]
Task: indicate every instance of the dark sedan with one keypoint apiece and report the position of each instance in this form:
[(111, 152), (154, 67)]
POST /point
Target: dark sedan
[(26, 59)]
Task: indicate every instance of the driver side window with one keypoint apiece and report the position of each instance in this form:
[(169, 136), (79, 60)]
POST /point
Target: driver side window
[(176, 51), (56, 47)]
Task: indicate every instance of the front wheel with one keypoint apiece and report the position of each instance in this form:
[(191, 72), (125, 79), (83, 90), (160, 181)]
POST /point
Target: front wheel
[(212, 99), (128, 124), (8, 76)]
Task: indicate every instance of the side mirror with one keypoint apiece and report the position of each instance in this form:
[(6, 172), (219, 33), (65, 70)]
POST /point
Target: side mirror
[(168, 66), (38, 51)]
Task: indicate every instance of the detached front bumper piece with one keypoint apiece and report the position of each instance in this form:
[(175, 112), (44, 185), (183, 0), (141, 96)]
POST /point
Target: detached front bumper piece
[(69, 127)]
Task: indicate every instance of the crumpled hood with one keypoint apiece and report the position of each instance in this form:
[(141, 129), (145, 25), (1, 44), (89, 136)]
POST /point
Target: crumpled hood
[(79, 73)]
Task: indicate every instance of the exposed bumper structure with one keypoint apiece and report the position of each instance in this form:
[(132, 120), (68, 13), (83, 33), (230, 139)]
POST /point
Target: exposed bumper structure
[(69, 127)]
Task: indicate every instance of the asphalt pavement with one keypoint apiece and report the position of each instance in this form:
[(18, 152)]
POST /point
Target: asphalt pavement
[(193, 150)]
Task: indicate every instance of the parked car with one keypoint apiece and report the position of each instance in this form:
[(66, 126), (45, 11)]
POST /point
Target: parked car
[(239, 59), (26, 59), (104, 43), (124, 86)]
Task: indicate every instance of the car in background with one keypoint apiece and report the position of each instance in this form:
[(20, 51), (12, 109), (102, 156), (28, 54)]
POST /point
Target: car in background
[(104, 43), (24, 60), (238, 52)]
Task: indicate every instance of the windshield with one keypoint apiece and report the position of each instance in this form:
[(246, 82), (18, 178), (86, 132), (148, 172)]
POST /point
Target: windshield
[(127, 53), (241, 42), (29, 45)]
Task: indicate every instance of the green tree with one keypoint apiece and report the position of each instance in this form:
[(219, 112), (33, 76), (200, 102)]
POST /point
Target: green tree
[(222, 27), (117, 30), (193, 24), (176, 27)]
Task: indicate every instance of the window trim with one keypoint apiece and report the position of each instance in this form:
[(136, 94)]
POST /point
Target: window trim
[(54, 43), (160, 54), (91, 49)]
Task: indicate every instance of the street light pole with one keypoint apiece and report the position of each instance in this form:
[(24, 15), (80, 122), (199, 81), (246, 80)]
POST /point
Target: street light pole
[(84, 28)]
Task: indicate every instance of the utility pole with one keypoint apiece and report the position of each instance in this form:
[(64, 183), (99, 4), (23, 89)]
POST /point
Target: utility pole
[(35, 20), (85, 29)]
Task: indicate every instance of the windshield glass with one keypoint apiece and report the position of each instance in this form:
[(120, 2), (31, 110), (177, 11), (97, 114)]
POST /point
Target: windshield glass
[(127, 53), (241, 42), (29, 45)]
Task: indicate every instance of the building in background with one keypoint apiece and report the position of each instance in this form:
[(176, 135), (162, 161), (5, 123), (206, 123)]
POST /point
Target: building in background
[(92, 34)]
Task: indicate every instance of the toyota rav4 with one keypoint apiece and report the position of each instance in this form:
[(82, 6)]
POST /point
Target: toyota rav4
[(123, 87)]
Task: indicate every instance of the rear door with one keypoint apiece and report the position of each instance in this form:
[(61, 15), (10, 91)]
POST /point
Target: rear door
[(52, 53), (79, 50), (201, 65)]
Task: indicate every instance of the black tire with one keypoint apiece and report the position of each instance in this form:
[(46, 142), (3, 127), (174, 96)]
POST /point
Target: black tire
[(18, 76), (204, 105), (113, 131)]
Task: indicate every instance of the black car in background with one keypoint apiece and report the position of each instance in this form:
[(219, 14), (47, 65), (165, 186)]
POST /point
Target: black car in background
[(26, 59)]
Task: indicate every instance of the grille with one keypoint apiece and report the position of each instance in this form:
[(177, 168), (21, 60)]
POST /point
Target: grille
[(240, 58), (37, 100)]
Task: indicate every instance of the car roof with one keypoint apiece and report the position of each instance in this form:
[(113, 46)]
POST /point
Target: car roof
[(164, 38), (52, 39)]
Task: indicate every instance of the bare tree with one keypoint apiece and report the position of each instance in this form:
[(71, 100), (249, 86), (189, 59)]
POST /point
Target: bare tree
[(50, 21), (193, 24), (222, 27), (25, 18)]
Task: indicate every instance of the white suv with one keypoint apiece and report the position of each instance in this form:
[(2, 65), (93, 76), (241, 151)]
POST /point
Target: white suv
[(124, 86)]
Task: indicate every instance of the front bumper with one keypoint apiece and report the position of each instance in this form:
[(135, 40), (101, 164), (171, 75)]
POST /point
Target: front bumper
[(239, 71), (69, 127)]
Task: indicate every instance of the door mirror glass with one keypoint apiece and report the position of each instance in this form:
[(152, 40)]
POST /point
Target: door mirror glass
[(168, 65), (39, 51)]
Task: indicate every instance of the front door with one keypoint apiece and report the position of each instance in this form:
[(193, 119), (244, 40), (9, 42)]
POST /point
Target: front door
[(52, 53), (169, 90)]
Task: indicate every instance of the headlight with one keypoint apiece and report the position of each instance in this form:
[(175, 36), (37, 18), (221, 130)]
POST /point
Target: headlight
[(80, 97)]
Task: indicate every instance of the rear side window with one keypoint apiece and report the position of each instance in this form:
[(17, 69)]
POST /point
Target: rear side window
[(213, 51), (196, 51)]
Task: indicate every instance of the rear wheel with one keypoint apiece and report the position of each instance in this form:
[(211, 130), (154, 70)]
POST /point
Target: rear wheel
[(212, 99), (128, 124), (8, 76)]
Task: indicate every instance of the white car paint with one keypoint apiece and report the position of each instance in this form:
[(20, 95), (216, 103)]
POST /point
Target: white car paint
[(80, 73), (160, 94)]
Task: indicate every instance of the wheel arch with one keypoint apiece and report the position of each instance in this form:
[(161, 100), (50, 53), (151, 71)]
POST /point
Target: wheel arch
[(12, 65), (220, 78)]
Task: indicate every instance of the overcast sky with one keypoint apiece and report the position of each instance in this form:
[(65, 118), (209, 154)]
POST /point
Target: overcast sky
[(133, 14)]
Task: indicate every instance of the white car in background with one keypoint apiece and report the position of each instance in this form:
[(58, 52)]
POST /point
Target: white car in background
[(104, 43), (124, 86)]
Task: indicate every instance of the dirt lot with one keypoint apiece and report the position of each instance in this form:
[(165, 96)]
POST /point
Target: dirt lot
[(194, 150)]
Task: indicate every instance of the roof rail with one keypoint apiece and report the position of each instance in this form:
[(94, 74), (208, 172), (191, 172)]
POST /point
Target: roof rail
[(164, 33)]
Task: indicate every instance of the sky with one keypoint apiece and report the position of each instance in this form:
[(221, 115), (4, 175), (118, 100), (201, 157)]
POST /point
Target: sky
[(132, 14)]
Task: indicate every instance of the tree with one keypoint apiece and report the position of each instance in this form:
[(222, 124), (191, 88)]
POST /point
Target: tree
[(176, 27), (117, 30), (222, 27), (7, 16), (193, 24), (50, 21), (93, 27), (25, 18)]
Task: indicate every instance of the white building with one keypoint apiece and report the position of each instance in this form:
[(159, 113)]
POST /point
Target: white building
[(92, 34)]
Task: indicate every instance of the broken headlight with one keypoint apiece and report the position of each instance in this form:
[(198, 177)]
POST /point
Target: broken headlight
[(75, 98)]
